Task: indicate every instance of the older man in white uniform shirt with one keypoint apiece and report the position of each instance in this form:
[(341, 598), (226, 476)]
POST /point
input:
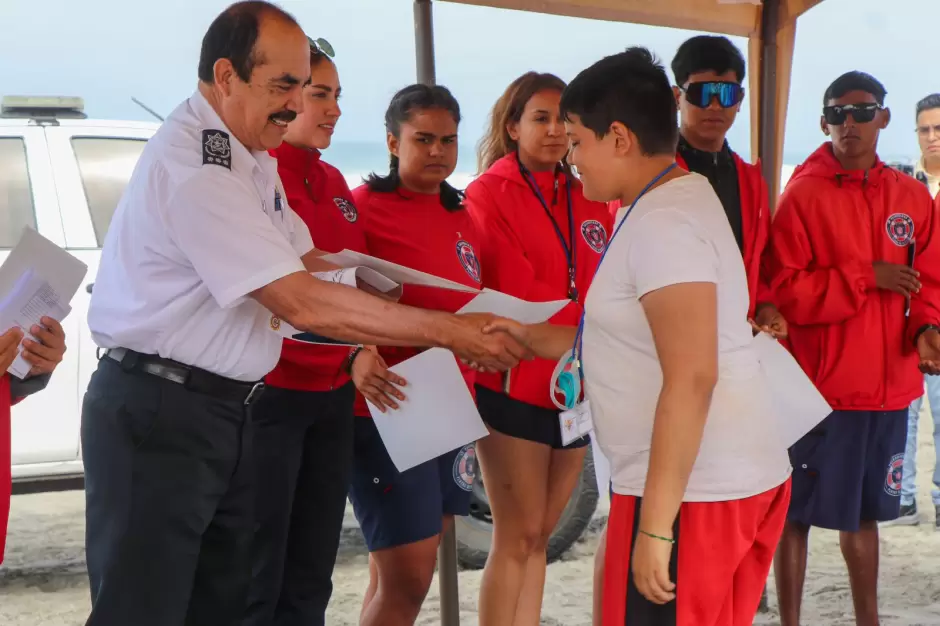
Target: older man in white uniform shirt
[(202, 249)]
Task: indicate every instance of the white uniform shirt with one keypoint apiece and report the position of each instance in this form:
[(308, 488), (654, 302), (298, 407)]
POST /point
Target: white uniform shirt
[(678, 233), (933, 182), (202, 224)]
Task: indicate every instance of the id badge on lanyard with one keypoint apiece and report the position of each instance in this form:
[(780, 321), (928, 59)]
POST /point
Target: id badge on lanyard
[(568, 247), (568, 378)]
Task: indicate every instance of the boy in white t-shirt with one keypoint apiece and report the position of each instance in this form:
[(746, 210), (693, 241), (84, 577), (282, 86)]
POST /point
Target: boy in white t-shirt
[(679, 405)]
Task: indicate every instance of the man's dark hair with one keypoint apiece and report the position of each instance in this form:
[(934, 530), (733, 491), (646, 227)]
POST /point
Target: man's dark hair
[(855, 81), (233, 34), (631, 88), (707, 53), (929, 103)]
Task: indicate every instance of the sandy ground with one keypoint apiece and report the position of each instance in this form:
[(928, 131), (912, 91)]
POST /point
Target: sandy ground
[(43, 581)]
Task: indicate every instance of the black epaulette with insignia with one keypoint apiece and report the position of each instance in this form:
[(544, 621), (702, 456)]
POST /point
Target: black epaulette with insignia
[(216, 148)]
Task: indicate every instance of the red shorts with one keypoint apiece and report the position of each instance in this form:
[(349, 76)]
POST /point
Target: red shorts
[(719, 563)]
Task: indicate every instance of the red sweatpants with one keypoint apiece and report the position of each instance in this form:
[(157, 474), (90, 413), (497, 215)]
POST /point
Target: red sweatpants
[(719, 563)]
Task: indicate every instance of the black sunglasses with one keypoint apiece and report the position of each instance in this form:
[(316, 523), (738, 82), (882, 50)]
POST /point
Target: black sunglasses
[(702, 94), (862, 113), (321, 46)]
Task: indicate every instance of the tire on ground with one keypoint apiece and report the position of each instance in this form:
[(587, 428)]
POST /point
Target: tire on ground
[(474, 532)]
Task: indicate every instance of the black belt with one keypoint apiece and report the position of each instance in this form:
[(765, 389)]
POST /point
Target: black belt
[(192, 378)]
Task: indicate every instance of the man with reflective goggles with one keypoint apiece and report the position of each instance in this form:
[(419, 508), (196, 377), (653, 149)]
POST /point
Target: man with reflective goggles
[(709, 73), (855, 266)]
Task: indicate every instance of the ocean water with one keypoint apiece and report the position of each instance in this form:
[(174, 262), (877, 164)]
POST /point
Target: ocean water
[(357, 159)]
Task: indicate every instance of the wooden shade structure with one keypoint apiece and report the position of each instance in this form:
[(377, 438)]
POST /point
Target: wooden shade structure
[(769, 25)]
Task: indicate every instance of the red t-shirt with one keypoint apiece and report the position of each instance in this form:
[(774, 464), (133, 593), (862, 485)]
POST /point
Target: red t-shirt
[(318, 193), (5, 460), (416, 231), (524, 257)]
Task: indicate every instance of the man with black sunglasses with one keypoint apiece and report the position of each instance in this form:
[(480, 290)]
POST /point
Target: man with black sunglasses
[(846, 239), (709, 73)]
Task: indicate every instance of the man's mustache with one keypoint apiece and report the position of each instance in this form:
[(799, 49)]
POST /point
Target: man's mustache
[(284, 116)]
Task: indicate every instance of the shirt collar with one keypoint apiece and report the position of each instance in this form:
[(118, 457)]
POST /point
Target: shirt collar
[(688, 149)]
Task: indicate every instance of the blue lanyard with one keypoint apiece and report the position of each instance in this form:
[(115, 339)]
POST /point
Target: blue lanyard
[(569, 247), (579, 336)]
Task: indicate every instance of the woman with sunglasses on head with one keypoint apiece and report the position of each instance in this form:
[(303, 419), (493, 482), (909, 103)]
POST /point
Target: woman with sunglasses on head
[(303, 437), (543, 242), (413, 217)]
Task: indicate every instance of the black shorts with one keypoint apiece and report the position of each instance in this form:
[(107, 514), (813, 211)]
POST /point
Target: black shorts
[(522, 420)]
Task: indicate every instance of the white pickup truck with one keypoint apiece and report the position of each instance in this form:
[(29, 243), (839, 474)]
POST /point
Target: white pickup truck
[(63, 175)]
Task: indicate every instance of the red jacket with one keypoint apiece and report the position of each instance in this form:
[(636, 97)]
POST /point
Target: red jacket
[(851, 338), (755, 226), (5, 460), (318, 193), (414, 230), (523, 257)]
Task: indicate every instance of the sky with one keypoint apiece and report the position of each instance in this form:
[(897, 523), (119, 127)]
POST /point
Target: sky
[(108, 51)]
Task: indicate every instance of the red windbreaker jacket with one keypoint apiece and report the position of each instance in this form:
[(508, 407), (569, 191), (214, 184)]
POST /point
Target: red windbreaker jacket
[(6, 461), (851, 338), (318, 193), (755, 226), (522, 254)]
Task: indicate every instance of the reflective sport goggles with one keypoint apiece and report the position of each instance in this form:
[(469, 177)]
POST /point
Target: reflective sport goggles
[(321, 46), (862, 113), (702, 94)]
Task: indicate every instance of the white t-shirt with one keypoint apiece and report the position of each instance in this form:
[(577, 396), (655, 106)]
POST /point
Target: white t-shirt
[(678, 233), (202, 224)]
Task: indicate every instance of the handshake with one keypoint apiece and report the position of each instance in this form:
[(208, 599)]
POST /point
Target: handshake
[(488, 343)]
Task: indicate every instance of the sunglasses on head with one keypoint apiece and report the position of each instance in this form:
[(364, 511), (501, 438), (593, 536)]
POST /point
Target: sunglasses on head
[(862, 113), (702, 94), (321, 46)]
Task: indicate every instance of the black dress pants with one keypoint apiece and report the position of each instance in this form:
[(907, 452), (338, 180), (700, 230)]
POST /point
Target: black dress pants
[(169, 498), (303, 450)]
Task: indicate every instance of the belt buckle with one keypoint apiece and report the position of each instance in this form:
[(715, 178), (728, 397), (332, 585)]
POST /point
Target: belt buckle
[(256, 390)]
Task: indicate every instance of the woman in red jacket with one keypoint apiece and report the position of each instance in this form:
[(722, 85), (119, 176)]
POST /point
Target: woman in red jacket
[(44, 356), (304, 420), (413, 217), (543, 242)]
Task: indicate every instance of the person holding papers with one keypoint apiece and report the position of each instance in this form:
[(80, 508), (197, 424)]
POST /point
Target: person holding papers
[(413, 217), (855, 268), (304, 420), (673, 384), (202, 251), (543, 241), (43, 356), (710, 72)]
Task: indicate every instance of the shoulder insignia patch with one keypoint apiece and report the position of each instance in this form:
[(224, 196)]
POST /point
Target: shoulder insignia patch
[(216, 148), (347, 208), (595, 235)]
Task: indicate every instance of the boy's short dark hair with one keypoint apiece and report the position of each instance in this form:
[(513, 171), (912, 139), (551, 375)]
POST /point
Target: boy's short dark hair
[(707, 53), (929, 103), (855, 81), (631, 88)]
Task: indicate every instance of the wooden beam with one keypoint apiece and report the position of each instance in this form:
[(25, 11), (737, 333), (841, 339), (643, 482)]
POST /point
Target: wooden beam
[(701, 15), (771, 56)]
